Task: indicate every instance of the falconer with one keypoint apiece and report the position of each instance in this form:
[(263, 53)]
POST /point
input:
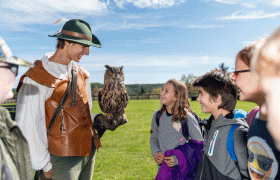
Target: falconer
[(53, 109)]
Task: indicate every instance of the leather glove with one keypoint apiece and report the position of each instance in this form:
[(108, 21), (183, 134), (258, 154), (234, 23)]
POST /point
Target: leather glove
[(98, 124)]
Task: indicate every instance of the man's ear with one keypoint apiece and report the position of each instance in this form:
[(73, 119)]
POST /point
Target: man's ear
[(67, 43)]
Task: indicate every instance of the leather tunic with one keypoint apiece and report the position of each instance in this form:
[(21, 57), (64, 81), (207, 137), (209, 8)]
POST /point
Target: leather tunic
[(72, 131)]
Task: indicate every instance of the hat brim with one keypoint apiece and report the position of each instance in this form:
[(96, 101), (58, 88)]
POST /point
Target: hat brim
[(95, 41), (17, 61)]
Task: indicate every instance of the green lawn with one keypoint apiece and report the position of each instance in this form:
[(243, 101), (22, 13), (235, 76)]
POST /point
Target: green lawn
[(126, 151)]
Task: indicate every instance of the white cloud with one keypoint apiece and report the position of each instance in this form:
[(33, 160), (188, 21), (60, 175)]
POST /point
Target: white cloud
[(148, 3), (228, 1), (43, 6), (276, 2), (204, 26), (250, 15), (18, 15), (142, 61), (249, 3), (123, 24)]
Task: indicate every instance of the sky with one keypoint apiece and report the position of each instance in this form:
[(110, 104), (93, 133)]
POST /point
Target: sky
[(155, 40)]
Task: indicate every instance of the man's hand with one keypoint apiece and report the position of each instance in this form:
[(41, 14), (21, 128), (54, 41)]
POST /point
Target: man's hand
[(169, 161), (98, 122), (48, 174), (159, 157)]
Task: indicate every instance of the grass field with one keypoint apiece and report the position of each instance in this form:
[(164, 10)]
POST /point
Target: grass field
[(126, 151)]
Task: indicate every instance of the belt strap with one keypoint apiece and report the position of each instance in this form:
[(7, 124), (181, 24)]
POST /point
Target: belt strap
[(59, 107), (74, 87)]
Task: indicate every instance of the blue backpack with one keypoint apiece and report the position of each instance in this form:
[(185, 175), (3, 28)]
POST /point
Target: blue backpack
[(230, 141)]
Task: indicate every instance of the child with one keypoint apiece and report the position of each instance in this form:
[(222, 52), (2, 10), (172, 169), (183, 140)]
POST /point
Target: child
[(169, 134), (265, 64), (264, 158), (217, 95)]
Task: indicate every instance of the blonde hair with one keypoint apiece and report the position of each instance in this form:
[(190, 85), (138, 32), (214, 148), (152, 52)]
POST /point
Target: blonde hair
[(182, 105), (266, 61)]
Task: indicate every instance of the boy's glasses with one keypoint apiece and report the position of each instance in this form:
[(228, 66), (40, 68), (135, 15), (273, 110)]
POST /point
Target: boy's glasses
[(12, 67), (235, 73)]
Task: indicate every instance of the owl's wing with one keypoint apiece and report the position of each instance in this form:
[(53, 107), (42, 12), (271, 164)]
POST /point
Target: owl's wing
[(122, 102), (125, 99), (99, 100)]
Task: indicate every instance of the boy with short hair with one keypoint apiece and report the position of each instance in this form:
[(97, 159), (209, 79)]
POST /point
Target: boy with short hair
[(218, 96)]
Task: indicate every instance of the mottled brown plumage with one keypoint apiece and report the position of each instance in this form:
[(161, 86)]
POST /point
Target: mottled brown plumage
[(113, 98)]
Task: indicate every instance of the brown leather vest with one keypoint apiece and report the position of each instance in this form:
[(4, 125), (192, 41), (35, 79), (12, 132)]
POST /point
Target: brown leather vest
[(71, 133)]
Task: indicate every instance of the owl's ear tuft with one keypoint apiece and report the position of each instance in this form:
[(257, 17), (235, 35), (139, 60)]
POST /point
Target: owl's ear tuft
[(121, 67), (107, 66)]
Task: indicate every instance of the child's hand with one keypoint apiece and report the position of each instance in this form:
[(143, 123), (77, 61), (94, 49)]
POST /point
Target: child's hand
[(158, 157), (169, 161)]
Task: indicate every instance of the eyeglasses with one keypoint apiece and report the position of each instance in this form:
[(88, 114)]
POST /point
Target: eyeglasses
[(12, 67), (235, 73)]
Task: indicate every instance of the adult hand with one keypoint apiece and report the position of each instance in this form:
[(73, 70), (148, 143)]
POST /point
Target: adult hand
[(48, 174), (169, 161), (159, 157)]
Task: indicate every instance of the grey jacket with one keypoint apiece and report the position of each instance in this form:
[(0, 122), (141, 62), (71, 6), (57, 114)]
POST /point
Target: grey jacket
[(166, 137), (15, 161), (216, 162)]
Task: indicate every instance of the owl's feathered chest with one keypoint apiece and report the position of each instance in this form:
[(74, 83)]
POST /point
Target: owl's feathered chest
[(112, 96), (110, 85)]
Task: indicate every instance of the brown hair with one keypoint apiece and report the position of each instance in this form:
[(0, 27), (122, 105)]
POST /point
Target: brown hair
[(246, 54), (182, 105), (218, 82), (61, 43)]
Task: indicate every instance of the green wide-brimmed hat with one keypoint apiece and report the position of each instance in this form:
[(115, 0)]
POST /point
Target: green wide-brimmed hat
[(79, 31), (7, 56)]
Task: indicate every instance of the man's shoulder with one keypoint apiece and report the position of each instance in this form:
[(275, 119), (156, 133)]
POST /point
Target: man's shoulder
[(84, 72), (38, 74)]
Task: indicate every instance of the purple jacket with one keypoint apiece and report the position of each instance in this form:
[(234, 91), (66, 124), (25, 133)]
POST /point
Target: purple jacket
[(188, 156)]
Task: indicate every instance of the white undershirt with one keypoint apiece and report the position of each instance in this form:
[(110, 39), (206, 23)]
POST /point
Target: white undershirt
[(30, 114)]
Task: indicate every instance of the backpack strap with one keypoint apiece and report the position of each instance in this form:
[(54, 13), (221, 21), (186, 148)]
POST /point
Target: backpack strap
[(230, 147), (184, 124), (251, 115), (158, 116), (185, 129)]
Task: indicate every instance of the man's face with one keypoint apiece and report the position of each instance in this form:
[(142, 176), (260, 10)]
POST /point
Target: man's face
[(76, 51), (7, 80)]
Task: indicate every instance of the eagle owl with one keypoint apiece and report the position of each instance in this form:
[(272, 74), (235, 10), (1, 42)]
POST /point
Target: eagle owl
[(113, 98)]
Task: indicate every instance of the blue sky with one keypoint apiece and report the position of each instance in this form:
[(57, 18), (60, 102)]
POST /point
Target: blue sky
[(155, 40)]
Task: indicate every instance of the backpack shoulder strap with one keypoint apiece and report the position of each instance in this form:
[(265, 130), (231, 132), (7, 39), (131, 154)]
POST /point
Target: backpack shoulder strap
[(230, 147), (251, 115), (230, 142), (185, 129), (158, 116)]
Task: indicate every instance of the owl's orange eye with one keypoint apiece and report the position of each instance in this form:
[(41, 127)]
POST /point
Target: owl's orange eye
[(120, 72), (112, 72)]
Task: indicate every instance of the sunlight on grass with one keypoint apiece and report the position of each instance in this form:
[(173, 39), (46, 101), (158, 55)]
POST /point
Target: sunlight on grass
[(126, 151)]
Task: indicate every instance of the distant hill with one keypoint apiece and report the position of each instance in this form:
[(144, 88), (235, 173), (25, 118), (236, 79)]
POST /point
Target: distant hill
[(134, 89)]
